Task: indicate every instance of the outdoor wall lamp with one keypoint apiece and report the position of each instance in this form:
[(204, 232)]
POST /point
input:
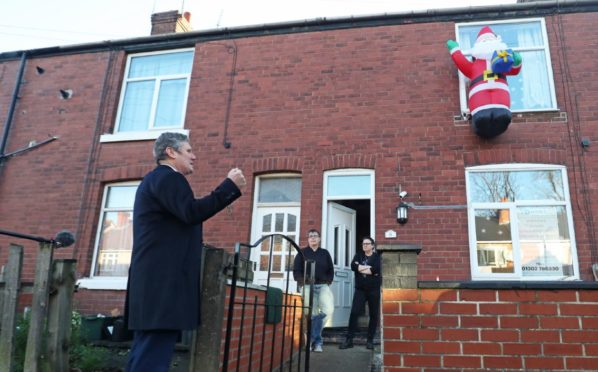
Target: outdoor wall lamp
[(402, 216)]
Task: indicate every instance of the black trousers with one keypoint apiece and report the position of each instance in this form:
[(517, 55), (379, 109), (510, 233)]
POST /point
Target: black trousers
[(360, 297), (152, 351)]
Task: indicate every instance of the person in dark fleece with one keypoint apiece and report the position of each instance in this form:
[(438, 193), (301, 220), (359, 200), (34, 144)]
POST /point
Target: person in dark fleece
[(368, 279)]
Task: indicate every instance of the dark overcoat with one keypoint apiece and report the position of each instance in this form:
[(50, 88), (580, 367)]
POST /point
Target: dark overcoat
[(164, 276)]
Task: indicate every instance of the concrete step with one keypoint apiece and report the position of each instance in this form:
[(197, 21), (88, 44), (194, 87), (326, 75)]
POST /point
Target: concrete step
[(338, 335)]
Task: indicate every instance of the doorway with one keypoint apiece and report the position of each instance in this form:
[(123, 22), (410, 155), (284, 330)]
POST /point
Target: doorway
[(348, 217)]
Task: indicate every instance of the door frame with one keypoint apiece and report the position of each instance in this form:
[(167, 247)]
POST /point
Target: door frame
[(256, 233), (368, 194), (371, 196)]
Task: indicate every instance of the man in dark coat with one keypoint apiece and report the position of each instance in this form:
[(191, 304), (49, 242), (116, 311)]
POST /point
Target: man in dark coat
[(163, 287)]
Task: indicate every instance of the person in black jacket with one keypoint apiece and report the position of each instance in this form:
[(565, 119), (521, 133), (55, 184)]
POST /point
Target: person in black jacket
[(323, 306), (366, 265), (163, 287)]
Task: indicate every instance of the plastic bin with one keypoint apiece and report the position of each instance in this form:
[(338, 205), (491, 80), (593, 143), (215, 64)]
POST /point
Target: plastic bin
[(91, 328)]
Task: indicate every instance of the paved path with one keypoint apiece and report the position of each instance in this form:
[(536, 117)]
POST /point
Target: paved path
[(356, 359)]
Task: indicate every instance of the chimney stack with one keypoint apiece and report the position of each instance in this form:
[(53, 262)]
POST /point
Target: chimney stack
[(170, 22)]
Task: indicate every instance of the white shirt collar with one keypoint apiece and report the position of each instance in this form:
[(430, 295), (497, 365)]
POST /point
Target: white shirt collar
[(171, 166)]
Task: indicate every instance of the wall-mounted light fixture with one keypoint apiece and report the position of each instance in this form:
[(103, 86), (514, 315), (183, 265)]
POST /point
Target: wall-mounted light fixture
[(402, 216)]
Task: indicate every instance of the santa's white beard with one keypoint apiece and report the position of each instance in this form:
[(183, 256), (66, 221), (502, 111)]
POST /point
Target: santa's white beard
[(484, 50)]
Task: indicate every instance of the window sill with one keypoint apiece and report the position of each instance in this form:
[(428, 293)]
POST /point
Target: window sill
[(115, 283), (138, 136)]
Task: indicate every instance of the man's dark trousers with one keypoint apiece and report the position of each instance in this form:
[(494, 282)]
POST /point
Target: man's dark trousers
[(152, 351)]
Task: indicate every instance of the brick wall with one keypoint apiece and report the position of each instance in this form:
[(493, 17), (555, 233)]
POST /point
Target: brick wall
[(490, 329), (382, 98)]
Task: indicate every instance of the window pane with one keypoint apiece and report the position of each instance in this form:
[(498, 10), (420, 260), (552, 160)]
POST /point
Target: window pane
[(492, 225), (494, 246), (116, 243), (349, 186), (280, 190), (276, 266), (544, 240), (264, 262), (549, 258), (266, 245), (516, 186), (292, 237), (347, 246), (495, 258), (335, 242), (543, 223), (530, 89), (121, 196), (170, 103), (161, 64), (277, 243), (291, 223), (136, 106), (267, 223), (279, 222)]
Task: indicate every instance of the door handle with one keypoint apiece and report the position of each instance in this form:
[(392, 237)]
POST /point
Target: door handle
[(342, 274)]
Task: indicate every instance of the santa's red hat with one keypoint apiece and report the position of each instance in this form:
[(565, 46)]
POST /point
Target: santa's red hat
[(485, 34)]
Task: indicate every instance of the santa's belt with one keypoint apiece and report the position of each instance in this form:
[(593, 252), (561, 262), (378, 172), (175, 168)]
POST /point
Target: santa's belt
[(487, 76)]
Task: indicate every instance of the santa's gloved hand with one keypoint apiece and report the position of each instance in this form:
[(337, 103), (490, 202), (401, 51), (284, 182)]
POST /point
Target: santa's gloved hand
[(517, 59), (451, 44)]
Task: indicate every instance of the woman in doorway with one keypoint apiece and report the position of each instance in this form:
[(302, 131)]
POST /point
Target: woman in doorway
[(366, 265)]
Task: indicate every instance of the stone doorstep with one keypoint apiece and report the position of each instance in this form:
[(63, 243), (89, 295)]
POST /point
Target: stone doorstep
[(337, 336)]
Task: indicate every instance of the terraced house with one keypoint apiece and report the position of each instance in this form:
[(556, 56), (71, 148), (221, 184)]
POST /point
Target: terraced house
[(493, 267)]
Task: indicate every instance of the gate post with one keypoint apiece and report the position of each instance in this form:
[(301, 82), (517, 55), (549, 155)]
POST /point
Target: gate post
[(12, 287), (207, 339), (59, 314), (399, 265), (39, 307)]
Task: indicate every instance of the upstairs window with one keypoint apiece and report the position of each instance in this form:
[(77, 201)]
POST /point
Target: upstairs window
[(154, 95), (520, 223), (533, 88)]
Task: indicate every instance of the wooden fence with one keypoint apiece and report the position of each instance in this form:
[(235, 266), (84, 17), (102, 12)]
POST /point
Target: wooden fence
[(50, 315)]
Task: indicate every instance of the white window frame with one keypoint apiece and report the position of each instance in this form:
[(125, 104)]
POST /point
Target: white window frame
[(150, 133), (260, 207), (471, 207), (463, 81), (105, 282), (372, 195)]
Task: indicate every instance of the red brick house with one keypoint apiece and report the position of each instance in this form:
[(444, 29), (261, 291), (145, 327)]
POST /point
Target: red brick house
[(331, 120)]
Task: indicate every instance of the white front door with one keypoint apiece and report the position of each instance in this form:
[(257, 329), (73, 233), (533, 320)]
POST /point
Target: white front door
[(283, 221), (340, 242)]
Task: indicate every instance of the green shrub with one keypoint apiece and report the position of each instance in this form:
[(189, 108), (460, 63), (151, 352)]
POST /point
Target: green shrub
[(82, 356)]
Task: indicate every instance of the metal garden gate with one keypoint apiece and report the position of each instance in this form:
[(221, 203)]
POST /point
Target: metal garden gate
[(291, 357)]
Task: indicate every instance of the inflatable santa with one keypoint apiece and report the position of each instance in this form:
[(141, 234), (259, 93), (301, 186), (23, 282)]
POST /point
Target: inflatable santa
[(489, 98)]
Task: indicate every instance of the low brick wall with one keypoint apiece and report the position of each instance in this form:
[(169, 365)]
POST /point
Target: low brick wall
[(491, 326)]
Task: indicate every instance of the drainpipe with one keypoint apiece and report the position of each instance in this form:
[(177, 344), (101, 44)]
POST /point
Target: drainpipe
[(11, 108)]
